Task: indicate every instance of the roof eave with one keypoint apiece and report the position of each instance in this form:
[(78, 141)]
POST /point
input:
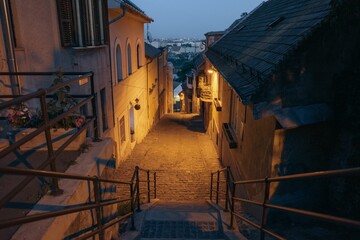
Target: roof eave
[(133, 10)]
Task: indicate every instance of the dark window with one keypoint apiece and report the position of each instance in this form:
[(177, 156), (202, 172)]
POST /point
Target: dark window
[(83, 22), (119, 64), (138, 56), (234, 116), (103, 109), (129, 60)]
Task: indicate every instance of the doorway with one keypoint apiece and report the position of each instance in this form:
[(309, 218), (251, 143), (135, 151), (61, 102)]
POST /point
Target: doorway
[(132, 124)]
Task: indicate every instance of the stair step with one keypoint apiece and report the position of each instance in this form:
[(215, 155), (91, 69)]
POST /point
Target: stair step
[(181, 230), (182, 220)]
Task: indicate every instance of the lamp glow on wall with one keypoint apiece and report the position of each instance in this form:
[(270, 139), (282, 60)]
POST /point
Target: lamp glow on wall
[(210, 71)]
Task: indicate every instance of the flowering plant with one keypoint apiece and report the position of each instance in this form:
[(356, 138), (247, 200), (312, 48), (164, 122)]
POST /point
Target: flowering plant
[(71, 121), (61, 102), (19, 115)]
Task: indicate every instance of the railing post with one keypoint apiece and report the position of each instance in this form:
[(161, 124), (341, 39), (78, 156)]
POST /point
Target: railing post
[(138, 189), (94, 110), (96, 184), (132, 206), (227, 190), (265, 210), (233, 192), (155, 185), (148, 184), (211, 186), (217, 187), (55, 190)]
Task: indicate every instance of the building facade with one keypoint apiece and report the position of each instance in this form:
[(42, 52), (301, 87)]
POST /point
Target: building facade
[(272, 107), (129, 75), (48, 36)]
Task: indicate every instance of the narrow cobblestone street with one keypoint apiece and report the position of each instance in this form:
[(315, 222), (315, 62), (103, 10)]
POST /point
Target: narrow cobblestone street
[(181, 153)]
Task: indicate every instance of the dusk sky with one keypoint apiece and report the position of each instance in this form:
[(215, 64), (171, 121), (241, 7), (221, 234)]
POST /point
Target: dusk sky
[(192, 18)]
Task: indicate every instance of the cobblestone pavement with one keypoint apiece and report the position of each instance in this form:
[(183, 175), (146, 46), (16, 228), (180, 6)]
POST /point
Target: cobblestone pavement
[(181, 153)]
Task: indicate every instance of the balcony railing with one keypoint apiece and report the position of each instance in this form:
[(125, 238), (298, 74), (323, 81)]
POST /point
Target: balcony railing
[(90, 123)]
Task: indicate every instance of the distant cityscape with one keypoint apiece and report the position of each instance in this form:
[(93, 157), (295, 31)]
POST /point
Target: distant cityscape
[(180, 50)]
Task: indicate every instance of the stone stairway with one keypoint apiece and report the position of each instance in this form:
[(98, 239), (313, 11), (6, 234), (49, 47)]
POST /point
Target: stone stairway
[(187, 220), (181, 220), (183, 156)]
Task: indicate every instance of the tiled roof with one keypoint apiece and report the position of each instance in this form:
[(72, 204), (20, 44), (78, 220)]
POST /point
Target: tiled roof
[(247, 55), (132, 5), (214, 33), (151, 51), (175, 48), (198, 60)]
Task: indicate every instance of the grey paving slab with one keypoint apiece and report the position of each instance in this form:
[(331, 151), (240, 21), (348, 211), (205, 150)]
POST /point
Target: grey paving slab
[(182, 220)]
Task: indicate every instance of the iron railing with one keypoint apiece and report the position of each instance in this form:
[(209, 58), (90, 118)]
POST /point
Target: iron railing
[(135, 189), (92, 123), (98, 204), (231, 198), (42, 94)]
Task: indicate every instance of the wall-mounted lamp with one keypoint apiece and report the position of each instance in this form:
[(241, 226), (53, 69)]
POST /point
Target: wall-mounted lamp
[(210, 71), (137, 105)]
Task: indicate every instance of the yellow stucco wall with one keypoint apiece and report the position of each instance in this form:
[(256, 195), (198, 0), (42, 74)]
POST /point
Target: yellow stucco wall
[(129, 30)]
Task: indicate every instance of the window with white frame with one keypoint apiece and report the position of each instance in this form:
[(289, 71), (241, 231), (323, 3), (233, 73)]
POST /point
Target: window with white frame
[(119, 71), (83, 23)]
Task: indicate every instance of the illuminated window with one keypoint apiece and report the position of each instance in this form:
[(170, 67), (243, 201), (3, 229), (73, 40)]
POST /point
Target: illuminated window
[(83, 23)]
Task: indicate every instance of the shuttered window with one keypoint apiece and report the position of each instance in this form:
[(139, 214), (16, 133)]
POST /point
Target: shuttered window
[(83, 23), (66, 22)]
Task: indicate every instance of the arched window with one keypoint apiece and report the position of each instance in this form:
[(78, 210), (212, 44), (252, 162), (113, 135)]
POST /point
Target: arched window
[(119, 64), (138, 56), (129, 60)]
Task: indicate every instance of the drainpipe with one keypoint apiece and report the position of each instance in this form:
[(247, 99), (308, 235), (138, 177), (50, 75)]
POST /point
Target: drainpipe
[(9, 45), (123, 7)]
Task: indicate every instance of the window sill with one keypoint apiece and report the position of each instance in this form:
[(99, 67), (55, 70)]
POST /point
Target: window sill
[(89, 47), (230, 135)]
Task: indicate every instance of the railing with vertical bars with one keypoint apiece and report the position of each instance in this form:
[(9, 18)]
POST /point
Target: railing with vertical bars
[(231, 197), (91, 124)]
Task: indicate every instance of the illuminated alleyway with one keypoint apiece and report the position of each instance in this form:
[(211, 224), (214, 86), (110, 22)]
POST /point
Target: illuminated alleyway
[(181, 153)]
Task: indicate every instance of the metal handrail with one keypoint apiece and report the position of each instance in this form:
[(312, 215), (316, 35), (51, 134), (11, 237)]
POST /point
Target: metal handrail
[(48, 124), (42, 94), (97, 205), (231, 188)]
